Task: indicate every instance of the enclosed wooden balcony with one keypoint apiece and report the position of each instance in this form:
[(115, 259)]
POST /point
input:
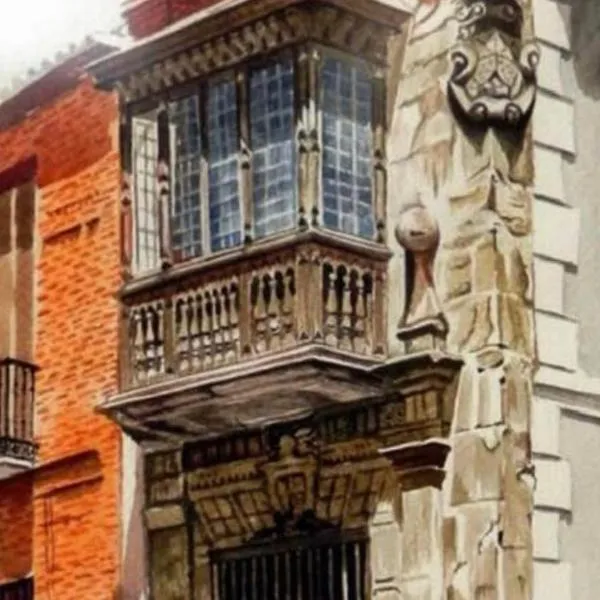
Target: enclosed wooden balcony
[(253, 214), (17, 399)]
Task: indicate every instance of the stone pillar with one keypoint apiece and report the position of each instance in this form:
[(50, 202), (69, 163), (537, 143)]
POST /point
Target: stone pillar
[(420, 474), (385, 533), (460, 168)]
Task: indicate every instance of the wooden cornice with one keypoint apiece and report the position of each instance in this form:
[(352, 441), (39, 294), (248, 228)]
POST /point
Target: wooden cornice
[(213, 39)]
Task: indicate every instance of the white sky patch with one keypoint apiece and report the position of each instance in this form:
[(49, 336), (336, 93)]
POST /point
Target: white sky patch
[(35, 30)]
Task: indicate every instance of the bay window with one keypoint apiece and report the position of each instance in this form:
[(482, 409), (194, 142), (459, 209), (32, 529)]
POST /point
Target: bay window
[(236, 158)]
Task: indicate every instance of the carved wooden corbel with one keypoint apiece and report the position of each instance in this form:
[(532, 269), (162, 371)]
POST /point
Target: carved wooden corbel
[(493, 80)]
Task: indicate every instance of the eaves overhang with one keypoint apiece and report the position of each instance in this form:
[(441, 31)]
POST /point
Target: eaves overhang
[(218, 19)]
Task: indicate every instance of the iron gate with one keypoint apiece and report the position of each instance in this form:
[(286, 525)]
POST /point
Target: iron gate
[(314, 568)]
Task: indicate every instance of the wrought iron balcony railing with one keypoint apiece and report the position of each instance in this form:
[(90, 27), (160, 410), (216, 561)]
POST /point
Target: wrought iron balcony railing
[(17, 398), (312, 289), (18, 590)]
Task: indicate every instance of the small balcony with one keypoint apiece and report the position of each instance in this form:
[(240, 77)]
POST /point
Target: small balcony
[(17, 397), (23, 589)]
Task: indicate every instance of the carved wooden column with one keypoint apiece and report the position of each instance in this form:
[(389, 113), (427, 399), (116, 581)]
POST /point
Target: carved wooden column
[(245, 156), (379, 154), (420, 474), (126, 195), (314, 198), (164, 186)]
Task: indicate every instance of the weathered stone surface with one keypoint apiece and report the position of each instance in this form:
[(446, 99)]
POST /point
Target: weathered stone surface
[(478, 463), (517, 573), (169, 564), (386, 553), (422, 550)]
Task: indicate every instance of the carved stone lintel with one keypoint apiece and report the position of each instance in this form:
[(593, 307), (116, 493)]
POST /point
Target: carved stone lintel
[(493, 81)]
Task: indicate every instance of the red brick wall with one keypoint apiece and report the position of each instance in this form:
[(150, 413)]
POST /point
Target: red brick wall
[(153, 15), (16, 528), (66, 521)]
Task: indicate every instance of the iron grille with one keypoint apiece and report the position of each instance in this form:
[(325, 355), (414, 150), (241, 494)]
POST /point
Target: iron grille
[(307, 569)]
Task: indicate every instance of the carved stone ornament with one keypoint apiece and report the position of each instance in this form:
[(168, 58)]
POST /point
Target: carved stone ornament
[(423, 326), (493, 79)]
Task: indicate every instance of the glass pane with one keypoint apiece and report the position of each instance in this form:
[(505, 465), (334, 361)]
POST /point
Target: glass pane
[(225, 214), (185, 211), (273, 147), (346, 94), (145, 205)]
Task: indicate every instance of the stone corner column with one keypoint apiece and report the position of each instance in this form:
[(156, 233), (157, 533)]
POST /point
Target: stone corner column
[(420, 473)]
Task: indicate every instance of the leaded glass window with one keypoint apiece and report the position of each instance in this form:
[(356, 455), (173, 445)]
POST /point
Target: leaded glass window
[(346, 94), (273, 147), (186, 222), (224, 200), (145, 206)]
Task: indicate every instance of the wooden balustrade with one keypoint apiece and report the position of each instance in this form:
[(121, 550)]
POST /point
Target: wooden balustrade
[(255, 305)]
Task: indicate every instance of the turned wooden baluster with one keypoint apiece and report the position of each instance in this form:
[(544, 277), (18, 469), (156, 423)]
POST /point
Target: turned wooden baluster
[(182, 333), (358, 312), (211, 325), (260, 316), (218, 333), (287, 307), (234, 320), (331, 306), (345, 330), (275, 312), (142, 363)]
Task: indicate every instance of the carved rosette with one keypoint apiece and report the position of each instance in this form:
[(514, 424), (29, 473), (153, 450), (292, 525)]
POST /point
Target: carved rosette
[(493, 79)]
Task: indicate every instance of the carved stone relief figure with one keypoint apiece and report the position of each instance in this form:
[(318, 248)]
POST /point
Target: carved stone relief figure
[(493, 79)]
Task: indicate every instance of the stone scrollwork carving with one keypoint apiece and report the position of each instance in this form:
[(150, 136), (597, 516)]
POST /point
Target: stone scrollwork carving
[(493, 79)]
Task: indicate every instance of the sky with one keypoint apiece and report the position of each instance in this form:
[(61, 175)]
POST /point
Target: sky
[(34, 30)]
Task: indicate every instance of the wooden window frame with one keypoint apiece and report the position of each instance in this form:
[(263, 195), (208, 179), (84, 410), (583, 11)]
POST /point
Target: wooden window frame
[(308, 118)]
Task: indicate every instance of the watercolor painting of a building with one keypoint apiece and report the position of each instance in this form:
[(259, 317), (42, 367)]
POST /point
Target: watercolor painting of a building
[(298, 302)]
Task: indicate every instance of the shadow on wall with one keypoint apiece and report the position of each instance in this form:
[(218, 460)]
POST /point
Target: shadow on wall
[(584, 26)]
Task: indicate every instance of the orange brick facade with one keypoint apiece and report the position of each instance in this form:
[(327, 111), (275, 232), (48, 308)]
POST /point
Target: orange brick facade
[(60, 522)]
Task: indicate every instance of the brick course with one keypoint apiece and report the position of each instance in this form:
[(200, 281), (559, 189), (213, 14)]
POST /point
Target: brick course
[(153, 15), (62, 520)]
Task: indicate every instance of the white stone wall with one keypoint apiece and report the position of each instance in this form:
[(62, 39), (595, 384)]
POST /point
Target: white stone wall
[(565, 413)]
